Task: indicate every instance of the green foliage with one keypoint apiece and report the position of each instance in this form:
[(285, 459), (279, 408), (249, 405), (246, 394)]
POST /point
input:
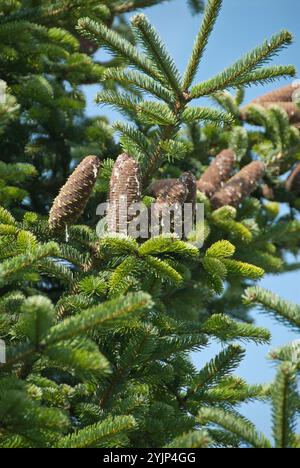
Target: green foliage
[(110, 432), (237, 425), (247, 70), (284, 398), (271, 302), (210, 16), (285, 403)]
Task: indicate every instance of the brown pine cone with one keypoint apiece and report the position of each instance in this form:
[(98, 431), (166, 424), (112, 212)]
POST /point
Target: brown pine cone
[(125, 184), (73, 196), (189, 180), (175, 193), (160, 186), (164, 186), (217, 173), (293, 182), (284, 94), (239, 186), (183, 190)]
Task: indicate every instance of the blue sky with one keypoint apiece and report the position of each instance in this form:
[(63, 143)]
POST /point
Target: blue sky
[(242, 25)]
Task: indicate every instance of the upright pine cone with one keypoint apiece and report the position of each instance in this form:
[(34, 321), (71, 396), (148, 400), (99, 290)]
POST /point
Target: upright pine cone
[(239, 186), (164, 186), (179, 191), (293, 182), (183, 190), (125, 189), (189, 180), (218, 172), (73, 196)]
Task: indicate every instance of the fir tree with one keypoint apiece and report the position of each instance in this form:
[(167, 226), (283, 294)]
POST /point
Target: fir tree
[(99, 332)]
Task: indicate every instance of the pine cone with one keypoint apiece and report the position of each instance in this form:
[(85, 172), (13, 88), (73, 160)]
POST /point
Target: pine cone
[(284, 94), (160, 186), (73, 197), (218, 172), (293, 182), (239, 186), (164, 186), (175, 193), (189, 180), (125, 183), (183, 190)]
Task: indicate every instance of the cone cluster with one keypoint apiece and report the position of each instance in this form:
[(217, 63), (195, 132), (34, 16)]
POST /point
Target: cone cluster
[(283, 97), (73, 196), (125, 185)]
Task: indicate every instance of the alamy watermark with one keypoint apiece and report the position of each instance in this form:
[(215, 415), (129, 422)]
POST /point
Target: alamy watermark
[(2, 352), (140, 221), (3, 91)]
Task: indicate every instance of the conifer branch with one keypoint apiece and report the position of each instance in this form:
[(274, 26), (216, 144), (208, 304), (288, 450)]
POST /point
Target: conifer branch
[(219, 367), (117, 45), (10, 268), (285, 403), (193, 114), (266, 75), (156, 50), (192, 439), (130, 5), (232, 76), (271, 302), (141, 81), (100, 434), (239, 426), (226, 329), (124, 103), (108, 314), (211, 13)]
